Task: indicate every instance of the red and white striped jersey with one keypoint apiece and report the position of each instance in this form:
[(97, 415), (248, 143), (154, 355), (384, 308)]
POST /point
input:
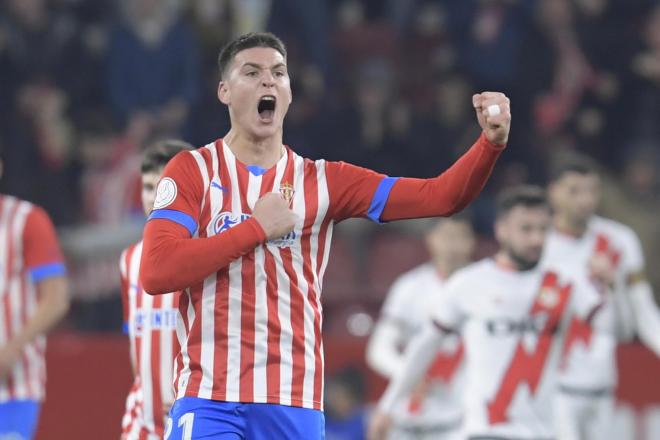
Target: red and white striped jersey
[(29, 253), (253, 329), (151, 325), (513, 325)]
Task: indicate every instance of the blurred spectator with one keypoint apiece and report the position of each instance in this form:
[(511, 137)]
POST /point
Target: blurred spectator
[(40, 154), (153, 66), (345, 416), (111, 179)]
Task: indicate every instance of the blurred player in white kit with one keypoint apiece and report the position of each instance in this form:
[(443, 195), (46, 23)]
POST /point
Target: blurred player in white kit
[(612, 253), (434, 410), (512, 314)]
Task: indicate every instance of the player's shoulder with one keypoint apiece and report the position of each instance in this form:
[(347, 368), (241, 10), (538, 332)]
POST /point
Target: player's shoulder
[(474, 272), (18, 204), (618, 232)]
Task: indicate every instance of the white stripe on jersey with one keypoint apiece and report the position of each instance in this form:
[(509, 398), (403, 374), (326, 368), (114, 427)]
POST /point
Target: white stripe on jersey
[(235, 291), (208, 291)]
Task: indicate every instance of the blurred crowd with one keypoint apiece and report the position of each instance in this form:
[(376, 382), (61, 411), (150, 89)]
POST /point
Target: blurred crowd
[(385, 84)]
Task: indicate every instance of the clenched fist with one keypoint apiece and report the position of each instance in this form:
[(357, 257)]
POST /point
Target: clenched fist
[(273, 214), (494, 115)]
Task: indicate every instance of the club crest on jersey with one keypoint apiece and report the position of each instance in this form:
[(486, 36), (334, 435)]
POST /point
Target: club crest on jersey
[(226, 220), (287, 191)]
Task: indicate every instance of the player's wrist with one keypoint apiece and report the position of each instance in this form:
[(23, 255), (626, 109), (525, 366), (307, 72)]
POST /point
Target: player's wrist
[(257, 229), (485, 142)]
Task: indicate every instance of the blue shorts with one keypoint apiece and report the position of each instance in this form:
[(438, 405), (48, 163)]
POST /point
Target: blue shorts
[(193, 418), (18, 419)]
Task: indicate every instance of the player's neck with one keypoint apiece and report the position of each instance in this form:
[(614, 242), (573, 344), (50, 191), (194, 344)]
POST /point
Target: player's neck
[(443, 268), (263, 152), (564, 225)]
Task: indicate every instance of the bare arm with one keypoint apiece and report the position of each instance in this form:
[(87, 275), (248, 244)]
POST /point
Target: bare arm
[(53, 305)]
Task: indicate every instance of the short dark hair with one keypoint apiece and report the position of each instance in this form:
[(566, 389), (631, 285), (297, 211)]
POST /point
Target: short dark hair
[(528, 196), (248, 41), (579, 165), (156, 156)]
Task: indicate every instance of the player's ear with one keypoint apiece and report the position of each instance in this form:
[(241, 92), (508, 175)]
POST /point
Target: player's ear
[(223, 93)]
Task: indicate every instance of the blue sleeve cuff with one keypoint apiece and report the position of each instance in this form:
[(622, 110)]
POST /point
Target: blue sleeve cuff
[(124, 328), (380, 199), (45, 271), (177, 217)]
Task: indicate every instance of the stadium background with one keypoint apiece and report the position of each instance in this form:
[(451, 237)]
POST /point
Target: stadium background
[(86, 84)]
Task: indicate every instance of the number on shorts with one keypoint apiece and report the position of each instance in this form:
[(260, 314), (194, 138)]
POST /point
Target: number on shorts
[(186, 421), (168, 429)]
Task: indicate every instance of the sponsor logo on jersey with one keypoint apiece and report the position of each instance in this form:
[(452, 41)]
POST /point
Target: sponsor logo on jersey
[(226, 220), (164, 319)]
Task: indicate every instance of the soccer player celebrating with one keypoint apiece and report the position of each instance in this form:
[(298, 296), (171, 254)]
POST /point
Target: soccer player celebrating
[(434, 410), (33, 298), (244, 225), (512, 314), (150, 321), (612, 253)]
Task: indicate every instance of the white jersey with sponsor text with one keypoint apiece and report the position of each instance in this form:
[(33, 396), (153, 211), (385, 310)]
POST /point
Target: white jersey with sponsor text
[(512, 324), (589, 365), (409, 303)]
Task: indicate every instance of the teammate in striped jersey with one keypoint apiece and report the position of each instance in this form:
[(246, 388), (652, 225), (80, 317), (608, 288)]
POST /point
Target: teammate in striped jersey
[(150, 321), (613, 253), (512, 314), (244, 226), (33, 298), (434, 410)]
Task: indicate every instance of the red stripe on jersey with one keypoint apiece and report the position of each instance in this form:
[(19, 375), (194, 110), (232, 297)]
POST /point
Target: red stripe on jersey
[(221, 329), (298, 326), (311, 209), (194, 345), (274, 331), (526, 367), (274, 327), (155, 368), (248, 303)]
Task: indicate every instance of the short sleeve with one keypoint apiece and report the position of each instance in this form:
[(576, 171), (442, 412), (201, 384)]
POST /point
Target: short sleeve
[(41, 250), (448, 312), (180, 192), (357, 192), (633, 258)]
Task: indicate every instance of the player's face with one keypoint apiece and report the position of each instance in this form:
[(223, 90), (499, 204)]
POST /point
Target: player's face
[(257, 91), (522, 232), (451, 242), (576, 196), (149, 184)]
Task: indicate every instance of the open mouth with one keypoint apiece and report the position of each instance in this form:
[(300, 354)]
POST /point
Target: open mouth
[(266, 107)]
